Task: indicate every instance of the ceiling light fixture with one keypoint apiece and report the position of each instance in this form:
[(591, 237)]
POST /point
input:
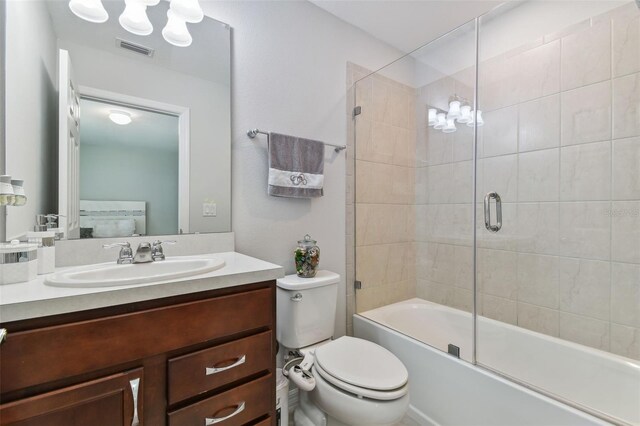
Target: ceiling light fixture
[(459, 111), (120, 117), (89, 10)]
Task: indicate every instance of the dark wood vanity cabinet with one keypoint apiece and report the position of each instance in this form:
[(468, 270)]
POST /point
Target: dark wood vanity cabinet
[(186, 360)]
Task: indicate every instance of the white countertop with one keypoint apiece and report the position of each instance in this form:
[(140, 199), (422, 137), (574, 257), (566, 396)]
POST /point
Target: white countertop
[(34, 299)]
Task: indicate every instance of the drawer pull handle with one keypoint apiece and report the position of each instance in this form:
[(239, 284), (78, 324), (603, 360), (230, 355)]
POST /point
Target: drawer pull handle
[(212, 421), (135, 384), (3, 334), (214, 370)]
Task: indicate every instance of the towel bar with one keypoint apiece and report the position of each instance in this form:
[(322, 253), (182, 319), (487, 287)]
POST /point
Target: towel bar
[(253, 133)]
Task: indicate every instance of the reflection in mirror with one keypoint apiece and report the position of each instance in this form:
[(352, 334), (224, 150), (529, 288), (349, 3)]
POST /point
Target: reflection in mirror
[(123, 148), (66, 79)]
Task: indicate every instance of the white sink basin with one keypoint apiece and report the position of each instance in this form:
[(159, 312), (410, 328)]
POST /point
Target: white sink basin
[(112, 274)]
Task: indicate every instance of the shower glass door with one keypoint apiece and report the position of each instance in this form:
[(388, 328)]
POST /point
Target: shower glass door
[(413, 200), (558, 214)]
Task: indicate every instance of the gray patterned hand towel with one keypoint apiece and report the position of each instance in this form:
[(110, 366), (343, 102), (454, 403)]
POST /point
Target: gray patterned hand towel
[(296, 167)]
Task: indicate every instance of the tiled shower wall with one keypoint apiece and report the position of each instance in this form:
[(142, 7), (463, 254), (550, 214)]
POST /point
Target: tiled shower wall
[(561, 145), (384, 179)]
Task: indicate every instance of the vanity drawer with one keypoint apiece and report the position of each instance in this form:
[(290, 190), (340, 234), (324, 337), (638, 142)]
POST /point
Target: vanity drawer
[(85, 346), (192, 374), (248, 402)]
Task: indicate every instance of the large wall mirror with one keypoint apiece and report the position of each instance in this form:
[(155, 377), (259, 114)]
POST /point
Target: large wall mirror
[(120, 134)]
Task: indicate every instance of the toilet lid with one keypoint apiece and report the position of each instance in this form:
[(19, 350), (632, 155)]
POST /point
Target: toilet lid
[(362, 363)]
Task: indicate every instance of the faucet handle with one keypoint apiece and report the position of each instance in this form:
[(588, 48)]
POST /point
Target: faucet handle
[(157, 253), (126, 253)]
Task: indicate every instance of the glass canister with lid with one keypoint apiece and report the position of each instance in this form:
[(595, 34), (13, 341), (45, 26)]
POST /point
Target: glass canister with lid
[(307, 257)]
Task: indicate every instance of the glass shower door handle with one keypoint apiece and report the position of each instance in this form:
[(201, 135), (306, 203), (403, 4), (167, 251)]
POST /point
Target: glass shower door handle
[(487, 212)]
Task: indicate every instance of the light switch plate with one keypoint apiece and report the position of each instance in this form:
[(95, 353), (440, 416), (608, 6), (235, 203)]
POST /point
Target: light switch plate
[(209, 210)]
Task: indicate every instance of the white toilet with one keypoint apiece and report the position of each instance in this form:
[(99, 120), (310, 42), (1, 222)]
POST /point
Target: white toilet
[(352, 381)]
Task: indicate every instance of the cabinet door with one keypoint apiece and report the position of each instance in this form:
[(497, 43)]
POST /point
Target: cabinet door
[(115, 400)]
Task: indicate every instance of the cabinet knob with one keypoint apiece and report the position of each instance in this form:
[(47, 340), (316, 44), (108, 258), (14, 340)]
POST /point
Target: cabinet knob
[(3, 334)]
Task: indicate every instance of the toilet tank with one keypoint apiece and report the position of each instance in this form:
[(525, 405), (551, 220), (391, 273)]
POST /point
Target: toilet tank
[(306, 309)]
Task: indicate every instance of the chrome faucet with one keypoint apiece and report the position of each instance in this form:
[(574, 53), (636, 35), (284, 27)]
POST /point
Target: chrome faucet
[(125, 256), (157, 253), (143, 253)]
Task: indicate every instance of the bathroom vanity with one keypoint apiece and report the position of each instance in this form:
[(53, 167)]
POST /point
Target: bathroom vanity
[(202, 353)]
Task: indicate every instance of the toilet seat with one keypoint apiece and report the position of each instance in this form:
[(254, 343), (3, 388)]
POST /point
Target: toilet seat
[(362, 368)]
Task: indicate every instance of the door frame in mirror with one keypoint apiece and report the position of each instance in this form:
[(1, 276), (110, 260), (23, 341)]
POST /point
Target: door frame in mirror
[(184, 151)]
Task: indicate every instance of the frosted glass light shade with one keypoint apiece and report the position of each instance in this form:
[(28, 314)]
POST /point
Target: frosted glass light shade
[(465, 114), (476, 115), (454, 109), (176, 32), (433, 119), (441, 121), (89, 10), (450, 127), (189, 10), (134, 18)]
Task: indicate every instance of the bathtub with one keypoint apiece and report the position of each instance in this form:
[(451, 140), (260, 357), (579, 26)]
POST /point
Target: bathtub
[(448, 391)]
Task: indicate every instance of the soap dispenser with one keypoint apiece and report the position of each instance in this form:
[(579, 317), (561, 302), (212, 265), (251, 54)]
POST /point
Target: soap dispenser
[(45, 240)]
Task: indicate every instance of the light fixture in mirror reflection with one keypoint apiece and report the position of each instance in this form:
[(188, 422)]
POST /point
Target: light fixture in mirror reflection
[(135, 20), (459, 111), (93, 108)]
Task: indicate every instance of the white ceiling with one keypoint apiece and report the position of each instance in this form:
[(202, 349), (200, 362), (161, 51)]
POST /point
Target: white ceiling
[(406, 25), (148, 129)]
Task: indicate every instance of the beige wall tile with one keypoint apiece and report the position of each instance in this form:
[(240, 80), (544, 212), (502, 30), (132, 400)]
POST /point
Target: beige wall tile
[(538, 280), (500, 174), (536, 318), (586, 114), (585, 287), (498, 82), (539, 124), (625, 231), (538, 175), (584, 330), (383, 224), (625, 294), (499, 309), (439, 147), (497, 273), (626, 41), (626, 169), (384, 183), (538, 228), (585, 172), (499, 135), (625, 341), (586, 56), (539, 71), (585, 230), (626, 106)]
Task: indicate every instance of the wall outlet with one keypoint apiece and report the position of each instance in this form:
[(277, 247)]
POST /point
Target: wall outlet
[(209, 210)]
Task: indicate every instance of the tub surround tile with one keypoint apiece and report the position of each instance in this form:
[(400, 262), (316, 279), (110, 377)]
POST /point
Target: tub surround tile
[(625, 341), (585, 230), (585, 287), (626, 106), (538, 280), (384, 183), (626, 169), (538, 228), (584, 330), (586, 114), (539, 71), (385, 263), (499, 309), (436, 263), (497, 273), (625, 294), (500, 132), (439, 147), (536, 318), (625, 231), (539, 124), (383, 224), (586, 56), (626, 41), (500, 174), (585, 172), (538, 175)]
